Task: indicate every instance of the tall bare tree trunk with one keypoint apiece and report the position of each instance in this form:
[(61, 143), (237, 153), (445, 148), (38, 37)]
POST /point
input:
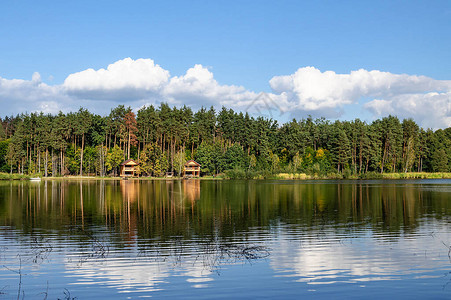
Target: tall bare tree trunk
[(62, 161), (81, 155), (46, 161), (128, 149), (54, 165)]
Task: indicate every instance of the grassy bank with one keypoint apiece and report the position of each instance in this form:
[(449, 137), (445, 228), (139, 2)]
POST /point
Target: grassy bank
[(239, 174), (416, 175), (369, 175), (7, 176), (303, 176)]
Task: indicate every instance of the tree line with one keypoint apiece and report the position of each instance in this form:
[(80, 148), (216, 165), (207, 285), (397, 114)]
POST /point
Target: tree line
[(162, 138)]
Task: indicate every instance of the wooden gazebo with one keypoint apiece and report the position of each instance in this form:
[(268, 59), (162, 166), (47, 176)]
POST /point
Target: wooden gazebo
[(191, 169), (128, 168)]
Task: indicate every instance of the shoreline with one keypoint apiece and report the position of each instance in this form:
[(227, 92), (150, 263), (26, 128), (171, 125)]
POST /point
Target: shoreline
[(279, 176)]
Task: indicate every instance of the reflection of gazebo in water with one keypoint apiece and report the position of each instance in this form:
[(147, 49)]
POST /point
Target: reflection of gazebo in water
[(130, 193), (191, 169), (191, 189), (129, 190)]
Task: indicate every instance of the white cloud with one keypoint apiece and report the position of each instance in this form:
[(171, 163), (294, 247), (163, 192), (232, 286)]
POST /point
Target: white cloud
[(19, 96), (199, 85), (307, 91), (322, 93), (143, 80), (431, 110), (312, 89), (36, 78), (124, 79)]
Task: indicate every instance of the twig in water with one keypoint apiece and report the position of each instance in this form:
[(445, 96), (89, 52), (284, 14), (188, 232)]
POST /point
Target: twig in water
[(99, 249), (1, 291), (20, 275), (46, 293), (67, 295), (40, 250), (449, 249), (449, 281)]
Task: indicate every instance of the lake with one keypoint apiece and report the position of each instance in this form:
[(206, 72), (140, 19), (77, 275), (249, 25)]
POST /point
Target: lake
[(126, 239)]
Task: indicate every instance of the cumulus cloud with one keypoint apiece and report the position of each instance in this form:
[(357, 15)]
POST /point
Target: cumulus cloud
[(136, 82), (199, 85), (143, 80), (18, 96), (124, 79), (312, 91), (431, 110), (307, 91)]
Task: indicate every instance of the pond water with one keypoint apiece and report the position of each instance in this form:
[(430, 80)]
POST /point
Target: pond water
[(225, 239)]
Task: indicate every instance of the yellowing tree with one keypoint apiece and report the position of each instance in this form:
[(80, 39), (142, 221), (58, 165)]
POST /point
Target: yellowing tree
[(113, 159)]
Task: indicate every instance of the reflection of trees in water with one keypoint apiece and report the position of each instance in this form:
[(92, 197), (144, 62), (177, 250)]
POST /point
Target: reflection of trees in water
[(204, 208), (208, 224)]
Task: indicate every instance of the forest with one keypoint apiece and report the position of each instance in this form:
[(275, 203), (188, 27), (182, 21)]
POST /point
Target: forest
[(162, 138)]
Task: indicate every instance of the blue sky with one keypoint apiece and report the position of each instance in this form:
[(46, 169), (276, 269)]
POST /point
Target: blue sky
[(241, 48)]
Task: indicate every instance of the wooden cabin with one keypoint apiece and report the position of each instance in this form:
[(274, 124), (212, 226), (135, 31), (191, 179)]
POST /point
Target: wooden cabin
[(128, 168), (191, 169)]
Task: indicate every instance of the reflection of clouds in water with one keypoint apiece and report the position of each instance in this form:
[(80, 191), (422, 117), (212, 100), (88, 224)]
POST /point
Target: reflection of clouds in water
[(329, 259), (316, 257), (198, 275), (121, 273), (147, 269), (143, 272)]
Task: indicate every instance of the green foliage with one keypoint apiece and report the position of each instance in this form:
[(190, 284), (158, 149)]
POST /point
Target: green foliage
[(100, 156), (152, 161), (252, 162), (2, 131), (371, 175), (314, 162), (161, 165), (72, 159), (347, 173), (89, 159), (98, 130), (179, 162), (440, 161), (113, 159), (145, 164), (297, 162), (275, 162), (205, 157), (235, 157), (159, 137), (238, 173), (4, 166), (7, 176)]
